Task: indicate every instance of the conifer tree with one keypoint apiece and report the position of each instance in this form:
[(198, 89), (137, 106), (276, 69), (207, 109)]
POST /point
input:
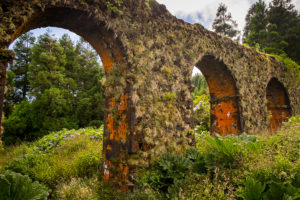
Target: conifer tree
[(20, 67), (66, 90), (275, 29), (223, 23), (256, 23)]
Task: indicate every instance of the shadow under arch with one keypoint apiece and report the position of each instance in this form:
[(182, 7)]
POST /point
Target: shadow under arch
[(278, 104), (110, 50), (224, 108)]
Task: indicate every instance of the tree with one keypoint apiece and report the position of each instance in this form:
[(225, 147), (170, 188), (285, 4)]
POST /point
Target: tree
[(200, 84), (282, 13), (66, 90), (17, 75), (275, 29), (256, 23), (223, 23)]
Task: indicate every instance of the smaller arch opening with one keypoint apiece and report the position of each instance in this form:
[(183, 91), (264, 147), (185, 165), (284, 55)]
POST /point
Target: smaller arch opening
[(223, 95), (278, 104)]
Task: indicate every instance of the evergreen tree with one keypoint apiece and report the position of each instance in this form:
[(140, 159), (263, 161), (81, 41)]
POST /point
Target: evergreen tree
[(224, 24), (286, 20), (65, 87), (18, 81), (17, 74), (256, 24), (275, 29), (200, 84)]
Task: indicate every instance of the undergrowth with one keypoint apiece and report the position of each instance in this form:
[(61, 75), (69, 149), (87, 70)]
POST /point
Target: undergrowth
[(67, 164), (245, 167)]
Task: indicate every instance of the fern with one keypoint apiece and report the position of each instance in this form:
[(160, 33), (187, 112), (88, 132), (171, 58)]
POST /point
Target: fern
[(253, 190), (198, 165), (15, 186), (225, 152)]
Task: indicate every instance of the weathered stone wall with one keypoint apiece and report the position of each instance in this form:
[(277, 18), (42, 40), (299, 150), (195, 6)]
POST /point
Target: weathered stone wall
[(148, 56)]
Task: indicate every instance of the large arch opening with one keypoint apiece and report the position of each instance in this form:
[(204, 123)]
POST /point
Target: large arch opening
[(224, 108), (103, 40), (278, 104), (54, 83), (78, 22)]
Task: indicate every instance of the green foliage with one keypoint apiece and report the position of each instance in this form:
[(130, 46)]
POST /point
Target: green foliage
[(295, 119), (200, 84), (252, 190), (65, 89), (233, 167), (60, 156), (229, 151), (18, 83), (223, 23), (198, 159), (291, 66), (169, 96), (14, 186), (201, 113), (274, 29), (114, 6), (78, 189), (168, 173)]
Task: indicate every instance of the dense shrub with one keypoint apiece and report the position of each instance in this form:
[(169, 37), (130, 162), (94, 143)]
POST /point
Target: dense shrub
[(60, 157), (15, 186), (201, 113), (168, 173), (233, 167)]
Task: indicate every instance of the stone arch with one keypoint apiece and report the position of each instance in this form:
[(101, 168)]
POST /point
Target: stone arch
[(81, 23), (111, 52), (278, 104), (224, 109)]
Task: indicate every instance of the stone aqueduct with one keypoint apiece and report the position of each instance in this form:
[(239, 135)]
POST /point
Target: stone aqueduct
[(148, 56)]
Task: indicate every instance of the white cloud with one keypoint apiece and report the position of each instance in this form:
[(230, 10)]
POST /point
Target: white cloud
[(204, 12)]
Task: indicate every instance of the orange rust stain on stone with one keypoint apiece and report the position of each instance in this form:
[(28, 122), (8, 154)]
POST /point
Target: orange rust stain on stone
[(122, 128), (226, 121), (108, 147), (107, 166), (124, 102), (107, 60), (112, 102), (278, 104), (223, 96), (110, 126), (124, 172)]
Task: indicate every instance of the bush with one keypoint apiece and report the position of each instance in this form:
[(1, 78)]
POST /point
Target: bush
[(60, 156), (229, 151), (201, 113), (77, 189), (14, 186), (168, 173)]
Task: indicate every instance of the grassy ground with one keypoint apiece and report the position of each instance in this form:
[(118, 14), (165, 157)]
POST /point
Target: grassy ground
[(68, 165)]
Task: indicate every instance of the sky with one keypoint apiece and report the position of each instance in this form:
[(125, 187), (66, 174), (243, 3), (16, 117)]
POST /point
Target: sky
[(192, 11), (204, 11)]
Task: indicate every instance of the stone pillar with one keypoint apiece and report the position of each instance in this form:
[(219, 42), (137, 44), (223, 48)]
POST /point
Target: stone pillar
[(6, 56)]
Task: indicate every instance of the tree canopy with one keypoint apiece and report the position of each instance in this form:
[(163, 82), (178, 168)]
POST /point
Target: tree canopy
[(53, 84), (274, 29), (223, 23)]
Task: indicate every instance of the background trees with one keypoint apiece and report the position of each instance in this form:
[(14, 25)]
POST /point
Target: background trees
[(201, 104), (223, 23), (53, 84), (274, 29)]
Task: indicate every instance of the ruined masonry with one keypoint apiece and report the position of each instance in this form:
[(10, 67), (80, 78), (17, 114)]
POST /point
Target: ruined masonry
[(148, 56)]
